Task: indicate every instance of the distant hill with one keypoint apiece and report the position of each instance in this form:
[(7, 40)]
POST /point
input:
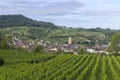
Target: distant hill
[(20, 20)]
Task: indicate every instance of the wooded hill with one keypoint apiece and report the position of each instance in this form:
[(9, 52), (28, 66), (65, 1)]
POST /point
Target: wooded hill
[(20, 20)]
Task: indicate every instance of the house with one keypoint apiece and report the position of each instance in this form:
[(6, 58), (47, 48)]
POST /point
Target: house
[(54, 49), (90, 51), (97, 52), (75, 53)]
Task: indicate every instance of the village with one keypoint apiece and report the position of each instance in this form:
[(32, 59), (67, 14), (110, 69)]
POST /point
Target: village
[(58, 47)]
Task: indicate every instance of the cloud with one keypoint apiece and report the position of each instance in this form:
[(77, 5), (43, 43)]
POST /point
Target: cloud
[(42, 7), (61, 8), (23, 3), (67, 12)]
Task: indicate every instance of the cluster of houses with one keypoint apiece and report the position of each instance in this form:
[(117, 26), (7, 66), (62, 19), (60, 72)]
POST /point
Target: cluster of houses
[(57, 47), (48, 46), (97, 49)]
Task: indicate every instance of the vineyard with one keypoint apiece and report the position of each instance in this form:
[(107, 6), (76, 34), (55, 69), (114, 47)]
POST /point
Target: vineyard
[(38, 66)]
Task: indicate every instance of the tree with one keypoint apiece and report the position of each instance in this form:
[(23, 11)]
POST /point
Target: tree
[(81, 51), (39, 49), (114, 45), (1, 61), (4, 41)]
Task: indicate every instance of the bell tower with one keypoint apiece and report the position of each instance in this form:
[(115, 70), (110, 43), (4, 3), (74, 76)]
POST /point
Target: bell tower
[(70, 40)]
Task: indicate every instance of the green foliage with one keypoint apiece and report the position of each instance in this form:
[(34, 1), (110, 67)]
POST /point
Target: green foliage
[(4, 42), (20, 20), (79, 36), (1, 61), (39, 49), (27, 29), (114, 46), (35, 66), (14, 56), (81, 51)]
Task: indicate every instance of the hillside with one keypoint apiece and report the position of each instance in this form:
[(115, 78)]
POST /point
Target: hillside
[(28, 30), (20, 20), (79, 35), (24, 66)]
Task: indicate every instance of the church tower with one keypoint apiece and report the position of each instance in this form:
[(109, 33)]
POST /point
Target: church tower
[(70, 40)]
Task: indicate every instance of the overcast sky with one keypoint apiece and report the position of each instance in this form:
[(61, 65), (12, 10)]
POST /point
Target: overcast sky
[(71, 13)]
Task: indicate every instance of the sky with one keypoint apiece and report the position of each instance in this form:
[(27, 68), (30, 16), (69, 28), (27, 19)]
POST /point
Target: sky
[(69, 13)]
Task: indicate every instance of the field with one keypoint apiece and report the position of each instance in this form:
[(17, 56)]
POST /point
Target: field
[(38, 66)]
